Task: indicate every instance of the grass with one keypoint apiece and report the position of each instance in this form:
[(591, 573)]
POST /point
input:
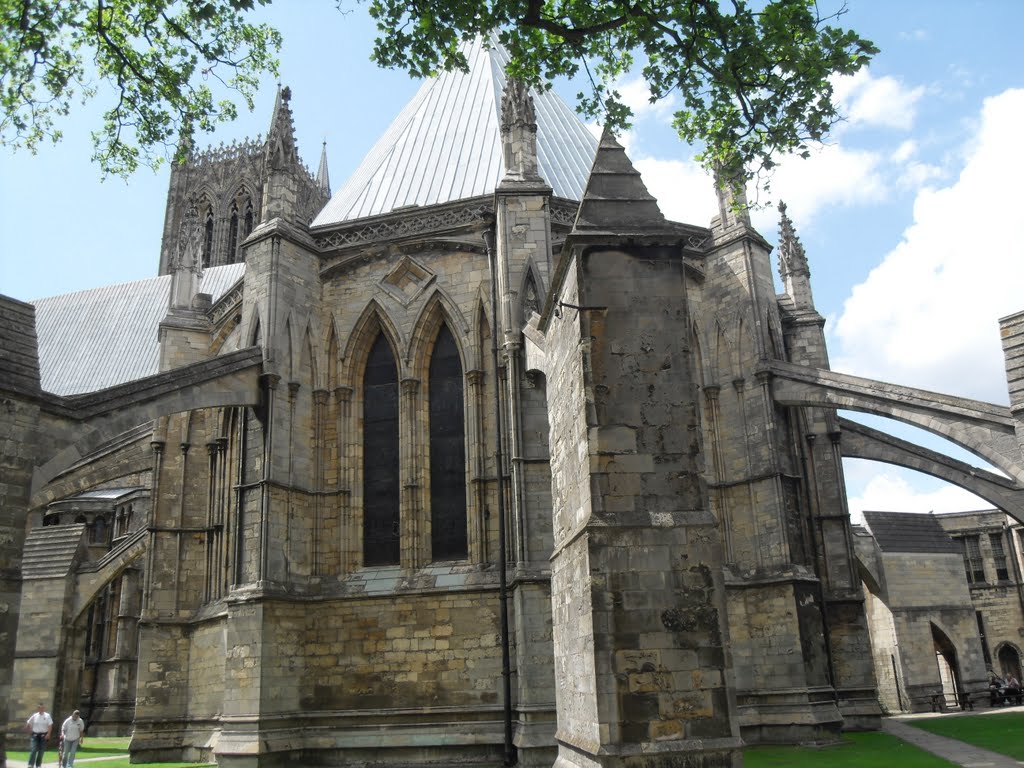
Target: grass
[(999, 732), (879, 750), (101, 747)]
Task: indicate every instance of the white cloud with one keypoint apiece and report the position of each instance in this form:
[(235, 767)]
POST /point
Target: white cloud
[(926, 316), (637, 96), (832, 175), (914, 34), (889, 491), (685, 192), (877, 101), (904, 151)]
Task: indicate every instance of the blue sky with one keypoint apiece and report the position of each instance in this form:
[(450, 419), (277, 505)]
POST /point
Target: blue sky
[(909, 215)]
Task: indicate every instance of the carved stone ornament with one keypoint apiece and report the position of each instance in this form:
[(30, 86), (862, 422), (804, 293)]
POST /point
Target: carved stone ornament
[(792, 258), (517, 107), (190, 243)]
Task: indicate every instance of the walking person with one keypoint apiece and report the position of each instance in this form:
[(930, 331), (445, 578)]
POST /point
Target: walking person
[(72, 734), (39, 726)]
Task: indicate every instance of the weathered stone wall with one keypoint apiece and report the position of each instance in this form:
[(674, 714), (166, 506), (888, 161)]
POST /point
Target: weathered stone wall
[(925, 590), (19, 452), (999, 601), (638, 599), (206, 670), (885, 655)]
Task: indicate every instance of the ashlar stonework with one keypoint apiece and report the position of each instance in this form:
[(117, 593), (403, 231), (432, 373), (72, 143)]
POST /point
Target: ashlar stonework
[(283, 542)]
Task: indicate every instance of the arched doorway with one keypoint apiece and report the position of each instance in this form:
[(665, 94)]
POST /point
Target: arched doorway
[(949, 668), (1009, 661)]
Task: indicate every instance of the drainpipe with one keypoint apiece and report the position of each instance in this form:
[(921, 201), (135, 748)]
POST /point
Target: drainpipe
[(506, 667)]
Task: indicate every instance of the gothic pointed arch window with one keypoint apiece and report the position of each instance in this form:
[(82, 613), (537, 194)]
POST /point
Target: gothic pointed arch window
[(531, 297), (208, 237), (233, 235), (448, 538), (380, 457), (249, 217)]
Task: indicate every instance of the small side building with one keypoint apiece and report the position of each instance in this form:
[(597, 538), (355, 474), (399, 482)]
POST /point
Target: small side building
[(990, 543), (922, 623), (943, 597)]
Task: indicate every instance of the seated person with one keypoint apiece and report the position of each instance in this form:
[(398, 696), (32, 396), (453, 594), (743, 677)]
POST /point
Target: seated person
[(1013, 691)]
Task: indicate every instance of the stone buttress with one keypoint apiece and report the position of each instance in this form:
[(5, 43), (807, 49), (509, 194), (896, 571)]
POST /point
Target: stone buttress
[(641, 638), (785, 678), (818, 442), (523, 268)]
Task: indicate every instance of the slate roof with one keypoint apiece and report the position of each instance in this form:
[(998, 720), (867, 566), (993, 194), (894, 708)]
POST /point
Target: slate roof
[(909, 532), (445, 145), (98, 338)]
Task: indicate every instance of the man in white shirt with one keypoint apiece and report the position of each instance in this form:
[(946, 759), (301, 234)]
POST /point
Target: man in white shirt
[(72, 734), (39, 726)]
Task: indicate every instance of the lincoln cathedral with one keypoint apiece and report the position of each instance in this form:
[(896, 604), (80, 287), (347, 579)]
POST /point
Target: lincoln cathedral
[(475, 460)]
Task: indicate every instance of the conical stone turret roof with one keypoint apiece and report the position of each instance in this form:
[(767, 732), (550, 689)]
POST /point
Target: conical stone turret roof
[(446, 145)]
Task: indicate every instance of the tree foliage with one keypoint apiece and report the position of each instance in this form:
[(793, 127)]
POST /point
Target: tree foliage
[(163, 65), (752, 80)]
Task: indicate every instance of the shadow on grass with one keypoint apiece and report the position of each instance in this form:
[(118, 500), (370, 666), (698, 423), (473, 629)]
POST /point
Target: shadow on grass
[(857, 750)]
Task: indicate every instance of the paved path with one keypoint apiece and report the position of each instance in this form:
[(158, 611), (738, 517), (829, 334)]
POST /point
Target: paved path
[(952, 750), (52, 763)]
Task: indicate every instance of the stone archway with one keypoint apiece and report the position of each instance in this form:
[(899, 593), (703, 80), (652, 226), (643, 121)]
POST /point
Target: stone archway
[(1008, 661), (948, 668)]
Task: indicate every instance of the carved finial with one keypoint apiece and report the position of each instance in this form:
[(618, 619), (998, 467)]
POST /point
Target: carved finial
[(733, 207), (323, 177), (792, 258), (187, 268), (517, 106), (519, 132), (190, 242)]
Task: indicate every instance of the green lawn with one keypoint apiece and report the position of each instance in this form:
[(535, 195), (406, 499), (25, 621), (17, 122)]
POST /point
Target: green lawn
[(879, 750), (997, 732), (101, 747)]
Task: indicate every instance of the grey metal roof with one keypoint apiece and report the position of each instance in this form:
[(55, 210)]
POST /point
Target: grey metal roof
[(103, 494), (102, 337), (909, 532), (446, 145)]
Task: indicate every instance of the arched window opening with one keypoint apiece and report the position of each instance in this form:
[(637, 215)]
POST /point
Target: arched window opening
[(1009, 662), (447, 451), (98, 531), (233, 235), (380, 457), (208, 238), (248, 217), (531, 297)]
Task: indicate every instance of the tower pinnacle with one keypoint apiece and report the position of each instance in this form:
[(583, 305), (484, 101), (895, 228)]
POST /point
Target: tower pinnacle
[(793, 267)]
